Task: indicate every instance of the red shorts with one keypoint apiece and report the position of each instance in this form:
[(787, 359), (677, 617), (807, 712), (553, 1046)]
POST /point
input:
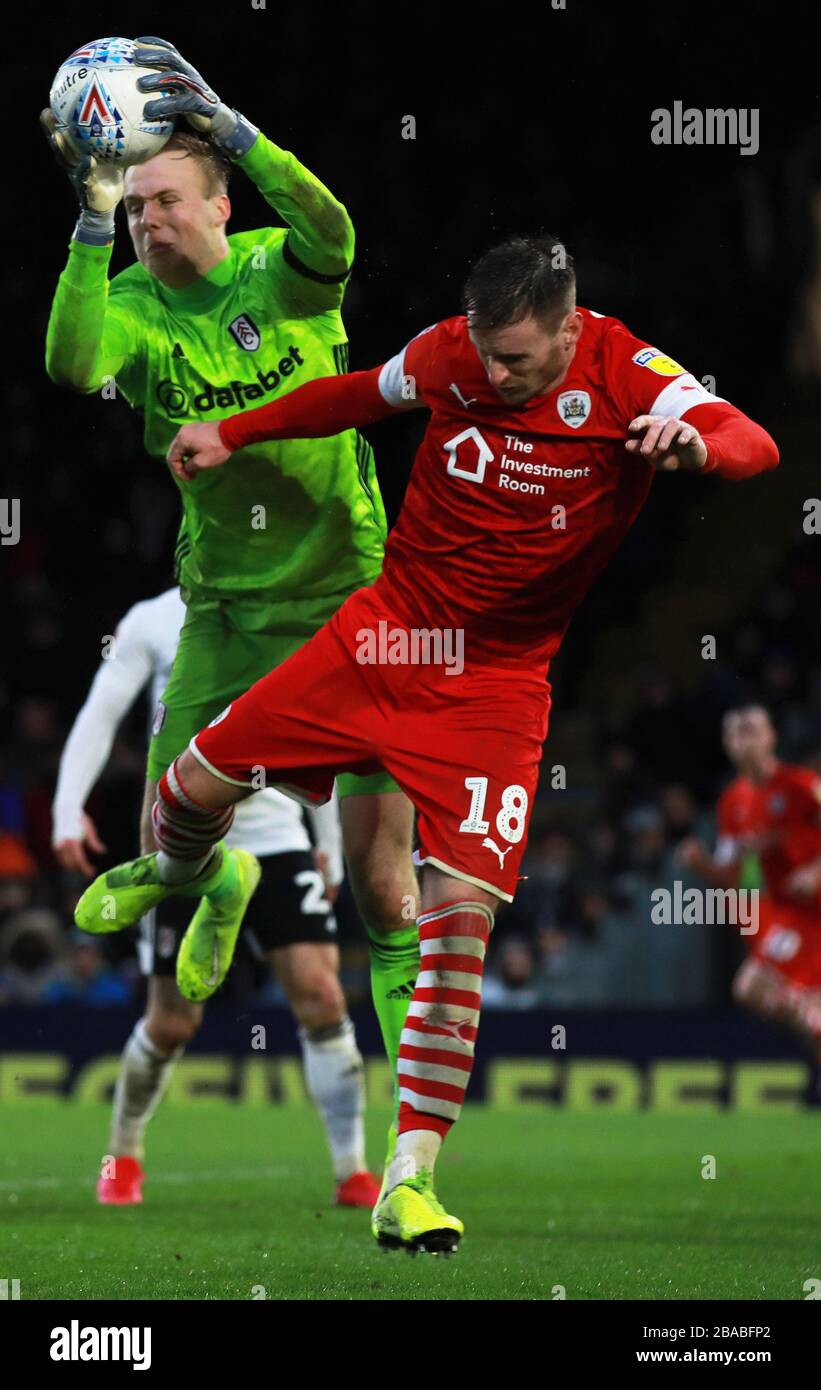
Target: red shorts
[(465, 747), (789, 941)]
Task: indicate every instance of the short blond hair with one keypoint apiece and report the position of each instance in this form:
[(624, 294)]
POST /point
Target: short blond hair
[(216, 167)]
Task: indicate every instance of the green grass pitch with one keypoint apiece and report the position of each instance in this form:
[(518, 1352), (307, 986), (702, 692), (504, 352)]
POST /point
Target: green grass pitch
[(605, 1206)]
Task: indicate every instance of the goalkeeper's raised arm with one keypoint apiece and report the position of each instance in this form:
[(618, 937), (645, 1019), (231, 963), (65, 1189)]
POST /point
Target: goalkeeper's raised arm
[(178, 229), (320, 244)]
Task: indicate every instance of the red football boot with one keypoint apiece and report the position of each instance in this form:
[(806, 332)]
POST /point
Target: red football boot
[(359, 1190), (124, 1187)]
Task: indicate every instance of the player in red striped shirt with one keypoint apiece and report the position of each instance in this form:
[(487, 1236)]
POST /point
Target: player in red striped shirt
[(547, 423), (771, 810)]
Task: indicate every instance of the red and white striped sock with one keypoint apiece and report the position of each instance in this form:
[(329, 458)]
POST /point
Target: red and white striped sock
[(437, 1043), (185, 832)]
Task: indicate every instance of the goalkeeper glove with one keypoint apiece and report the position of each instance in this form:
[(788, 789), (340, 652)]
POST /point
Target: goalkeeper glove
[(98, 185), (187, 94)]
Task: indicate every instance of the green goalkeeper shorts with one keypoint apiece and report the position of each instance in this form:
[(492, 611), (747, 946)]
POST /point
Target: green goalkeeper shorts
[(225, 646)]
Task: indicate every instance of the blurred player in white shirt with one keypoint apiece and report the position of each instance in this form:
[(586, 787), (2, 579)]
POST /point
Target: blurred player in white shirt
[(289, 919)]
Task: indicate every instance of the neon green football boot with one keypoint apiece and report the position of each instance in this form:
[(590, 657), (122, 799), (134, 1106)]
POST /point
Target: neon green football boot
[(207, 949), (411, 1217), (119, 898), (392, 1133)]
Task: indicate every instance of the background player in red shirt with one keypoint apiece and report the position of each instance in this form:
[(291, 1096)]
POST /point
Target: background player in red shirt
[(772, 810), (547, 423)]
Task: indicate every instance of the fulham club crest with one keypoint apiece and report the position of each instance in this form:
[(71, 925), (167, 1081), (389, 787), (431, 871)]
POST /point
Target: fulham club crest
[(245, 332), (573, 407)]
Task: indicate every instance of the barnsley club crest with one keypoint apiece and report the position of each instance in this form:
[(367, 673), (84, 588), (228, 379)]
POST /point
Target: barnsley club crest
[(245, 332), (574, 407)]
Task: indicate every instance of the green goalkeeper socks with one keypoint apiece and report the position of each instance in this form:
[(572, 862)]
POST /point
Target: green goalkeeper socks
[(394, 967)]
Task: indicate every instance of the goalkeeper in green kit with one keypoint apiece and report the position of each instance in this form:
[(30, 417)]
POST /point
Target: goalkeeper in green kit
[(203, 326)]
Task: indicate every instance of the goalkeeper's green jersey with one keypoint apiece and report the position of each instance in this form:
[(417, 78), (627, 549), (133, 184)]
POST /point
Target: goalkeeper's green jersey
[(293, 518)]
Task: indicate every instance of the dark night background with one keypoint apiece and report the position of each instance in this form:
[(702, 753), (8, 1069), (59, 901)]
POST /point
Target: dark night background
[(528, 118)]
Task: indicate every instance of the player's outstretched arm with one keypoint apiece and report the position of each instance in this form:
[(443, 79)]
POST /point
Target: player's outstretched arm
[(319, 249), (86, 341), (114, 689), (322, 407), (719, 869)]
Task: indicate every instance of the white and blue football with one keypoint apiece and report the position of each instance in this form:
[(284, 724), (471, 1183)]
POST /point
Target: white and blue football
[(98, 108)]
